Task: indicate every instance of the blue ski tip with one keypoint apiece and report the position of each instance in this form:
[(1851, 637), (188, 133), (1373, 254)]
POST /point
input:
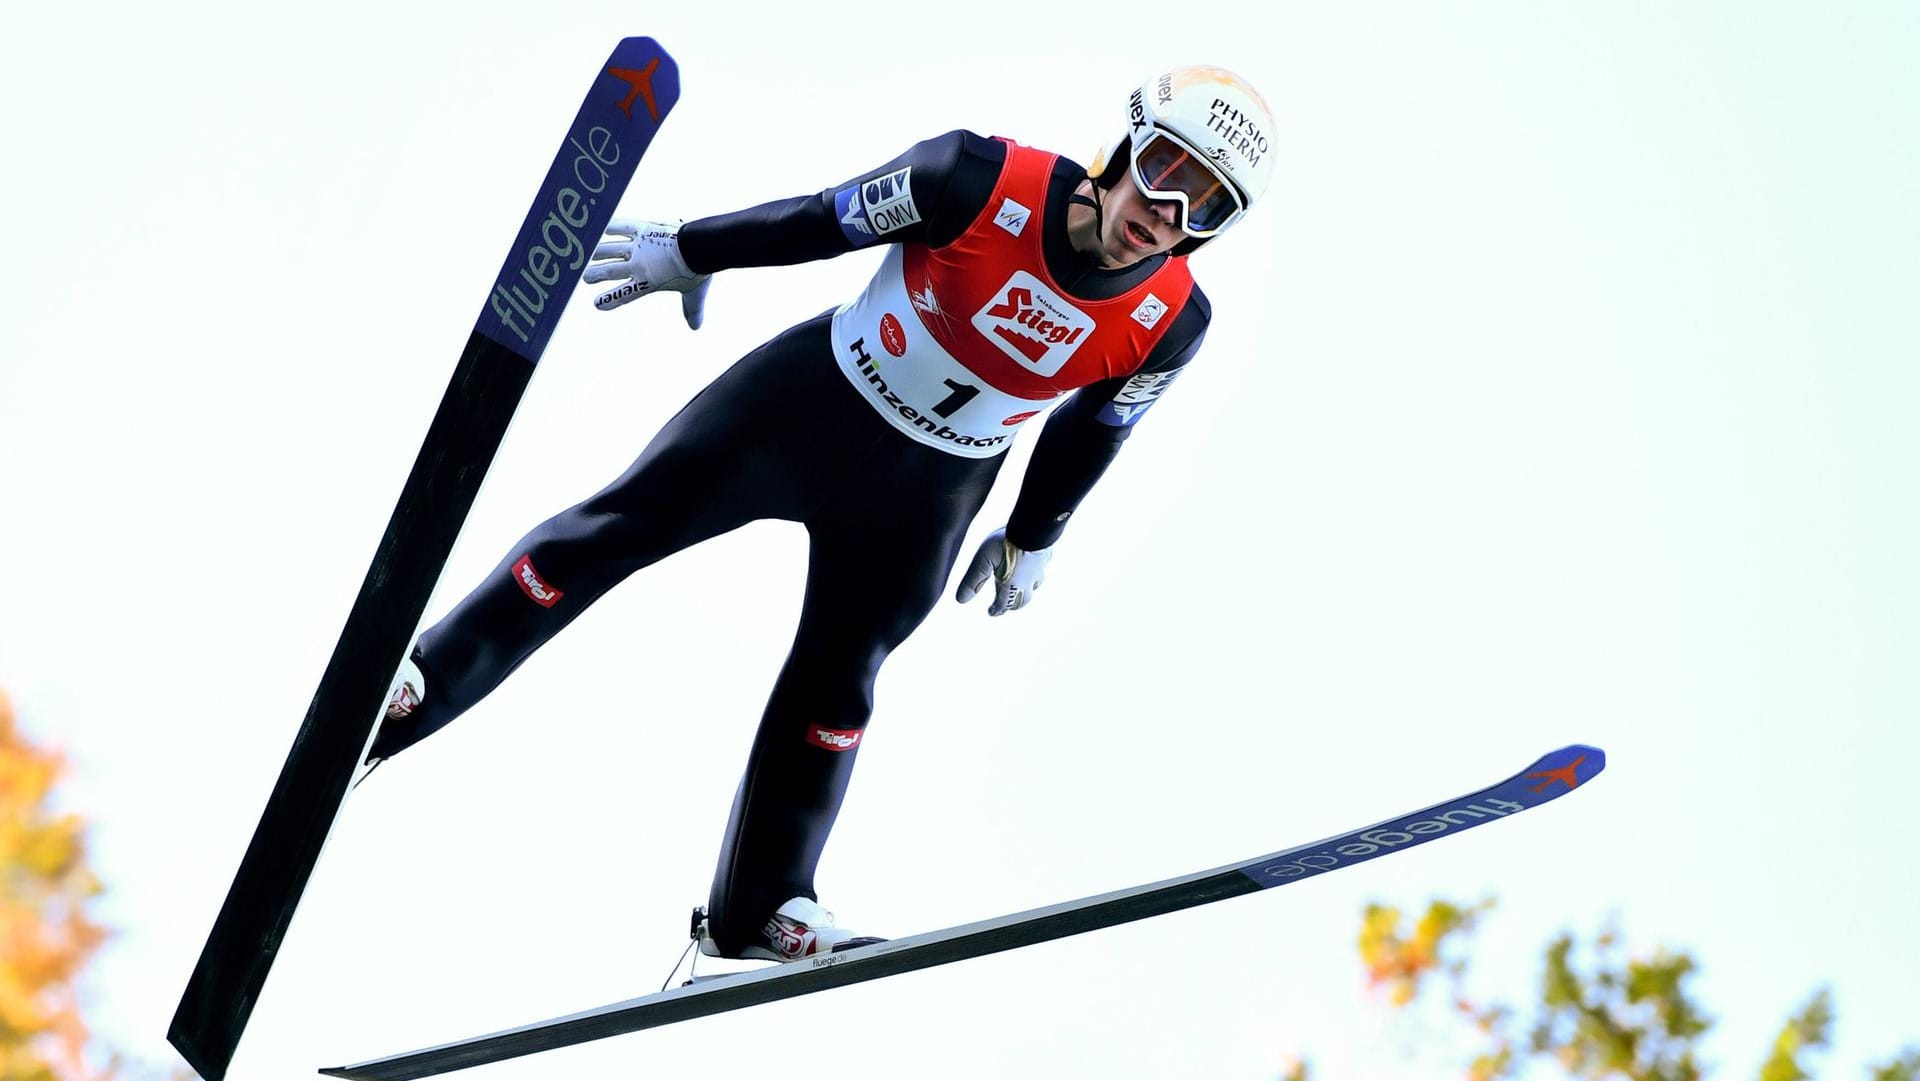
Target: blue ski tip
[(1550, 777), (631, 94), (1563, 771)]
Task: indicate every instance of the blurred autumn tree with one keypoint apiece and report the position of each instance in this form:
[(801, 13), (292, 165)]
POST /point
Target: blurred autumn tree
[(1600, 1014), (45, 935)]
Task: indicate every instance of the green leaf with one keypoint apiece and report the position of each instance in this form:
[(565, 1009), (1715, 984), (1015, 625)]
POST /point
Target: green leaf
[(1904, 1068)]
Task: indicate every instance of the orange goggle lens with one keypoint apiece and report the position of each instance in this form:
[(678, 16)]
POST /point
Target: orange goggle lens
[(1165, 169)]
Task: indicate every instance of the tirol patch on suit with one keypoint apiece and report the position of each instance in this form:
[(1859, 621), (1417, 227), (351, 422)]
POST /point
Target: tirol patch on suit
[(834, 739), (535, 587), (1139, 392), (869, 210), (1034, 325)]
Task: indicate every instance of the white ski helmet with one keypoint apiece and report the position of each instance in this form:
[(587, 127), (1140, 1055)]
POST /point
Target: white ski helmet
[(1200, 136)]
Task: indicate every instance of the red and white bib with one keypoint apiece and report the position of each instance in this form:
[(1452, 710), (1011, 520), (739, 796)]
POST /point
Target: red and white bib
[(960, 345)]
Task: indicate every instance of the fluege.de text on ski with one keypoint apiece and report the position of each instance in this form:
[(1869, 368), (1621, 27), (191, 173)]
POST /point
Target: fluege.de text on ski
[(520, 310), (1383, 838)]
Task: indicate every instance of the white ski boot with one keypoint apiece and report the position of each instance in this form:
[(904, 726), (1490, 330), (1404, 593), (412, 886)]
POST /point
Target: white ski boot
[(800, 928), (408, 693), (409, 690)]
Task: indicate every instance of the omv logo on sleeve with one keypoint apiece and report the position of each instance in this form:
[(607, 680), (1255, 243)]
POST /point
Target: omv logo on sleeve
[(869, 210), (1032, 324), (1139, 392)]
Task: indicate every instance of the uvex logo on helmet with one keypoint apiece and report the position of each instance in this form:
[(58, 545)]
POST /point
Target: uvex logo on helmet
[(1032, 324), (530, 583)]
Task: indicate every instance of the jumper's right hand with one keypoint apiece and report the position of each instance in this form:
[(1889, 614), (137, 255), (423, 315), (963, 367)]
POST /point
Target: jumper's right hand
[(644, 256)]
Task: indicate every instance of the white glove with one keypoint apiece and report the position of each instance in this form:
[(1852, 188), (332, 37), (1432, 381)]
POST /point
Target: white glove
[(1016, 573), (647, 259)]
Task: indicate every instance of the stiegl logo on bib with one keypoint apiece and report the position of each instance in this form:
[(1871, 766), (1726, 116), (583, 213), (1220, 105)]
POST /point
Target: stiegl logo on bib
[(1033, 324)]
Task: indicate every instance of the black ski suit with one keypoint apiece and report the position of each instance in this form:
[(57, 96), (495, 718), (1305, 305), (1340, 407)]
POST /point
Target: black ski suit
[(885, 515)]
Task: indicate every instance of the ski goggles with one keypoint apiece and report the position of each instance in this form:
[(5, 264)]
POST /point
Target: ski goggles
[(1166, 168)]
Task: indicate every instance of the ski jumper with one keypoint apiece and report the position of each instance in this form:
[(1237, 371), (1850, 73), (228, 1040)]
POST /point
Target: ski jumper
[(980, 316)]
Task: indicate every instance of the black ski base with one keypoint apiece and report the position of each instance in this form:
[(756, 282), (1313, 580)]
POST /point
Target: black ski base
[(629, 96), (220, 995)]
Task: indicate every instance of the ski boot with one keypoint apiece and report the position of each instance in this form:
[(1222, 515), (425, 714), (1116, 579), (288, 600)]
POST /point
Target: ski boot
[(800, 928), (409, 690)]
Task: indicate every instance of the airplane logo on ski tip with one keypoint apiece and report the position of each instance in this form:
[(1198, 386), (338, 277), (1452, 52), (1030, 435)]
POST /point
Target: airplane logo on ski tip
[(1568, 775), (639, 85)]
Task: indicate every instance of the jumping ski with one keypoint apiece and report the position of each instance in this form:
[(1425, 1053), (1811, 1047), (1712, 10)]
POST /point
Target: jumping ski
[(630, 96), (1550, 777)]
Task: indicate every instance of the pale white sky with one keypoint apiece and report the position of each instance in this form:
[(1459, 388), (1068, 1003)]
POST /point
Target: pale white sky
[(1562, 389)]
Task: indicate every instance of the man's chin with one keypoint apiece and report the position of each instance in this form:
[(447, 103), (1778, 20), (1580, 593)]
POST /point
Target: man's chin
[(1120, 254)]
